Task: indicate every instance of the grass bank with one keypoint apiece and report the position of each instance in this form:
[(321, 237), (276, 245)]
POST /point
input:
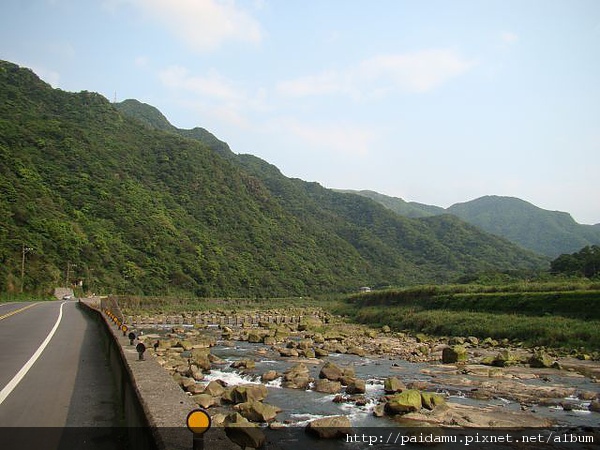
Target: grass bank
[(542, 315)]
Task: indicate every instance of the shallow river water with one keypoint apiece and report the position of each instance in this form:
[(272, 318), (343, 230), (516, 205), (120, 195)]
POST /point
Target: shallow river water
[(301, 406)]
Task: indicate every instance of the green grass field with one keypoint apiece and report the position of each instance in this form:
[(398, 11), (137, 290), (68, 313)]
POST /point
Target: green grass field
[(558, 315)]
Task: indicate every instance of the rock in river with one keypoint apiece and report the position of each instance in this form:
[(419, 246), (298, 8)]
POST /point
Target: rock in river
[(330, 427)]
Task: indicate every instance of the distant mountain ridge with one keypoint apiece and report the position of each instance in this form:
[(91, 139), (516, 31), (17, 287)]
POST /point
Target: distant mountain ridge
[(549, 233)]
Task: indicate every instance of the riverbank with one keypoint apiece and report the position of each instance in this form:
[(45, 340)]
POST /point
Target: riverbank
[(564, 317)]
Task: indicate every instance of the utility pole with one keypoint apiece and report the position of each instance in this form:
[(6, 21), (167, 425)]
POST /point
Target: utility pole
[(69, 265), (25, 250)]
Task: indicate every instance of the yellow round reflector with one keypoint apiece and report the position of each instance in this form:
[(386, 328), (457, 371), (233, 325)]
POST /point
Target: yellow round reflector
[(198, 421)]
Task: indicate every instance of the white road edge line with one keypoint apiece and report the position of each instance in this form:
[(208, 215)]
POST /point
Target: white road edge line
[(12, 384)]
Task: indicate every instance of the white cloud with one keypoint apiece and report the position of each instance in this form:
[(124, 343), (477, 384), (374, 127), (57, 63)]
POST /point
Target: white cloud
[(213, 94), (211, 85), (509, 38), (203, 24), (416, 72), (338, 138)]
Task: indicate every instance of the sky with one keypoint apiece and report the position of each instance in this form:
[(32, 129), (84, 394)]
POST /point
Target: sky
[(433, 101)]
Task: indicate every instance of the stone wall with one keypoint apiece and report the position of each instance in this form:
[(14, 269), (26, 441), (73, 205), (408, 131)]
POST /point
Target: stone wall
[(217, 318), (154, 407)]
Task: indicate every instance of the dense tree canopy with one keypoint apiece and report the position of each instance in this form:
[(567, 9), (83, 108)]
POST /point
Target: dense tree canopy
[(585, 262)]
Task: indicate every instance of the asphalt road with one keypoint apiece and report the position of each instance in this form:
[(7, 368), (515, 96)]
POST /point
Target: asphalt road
[(56, 388)]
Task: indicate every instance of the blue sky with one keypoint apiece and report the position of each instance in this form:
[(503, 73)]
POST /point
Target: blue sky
[(432, 101)]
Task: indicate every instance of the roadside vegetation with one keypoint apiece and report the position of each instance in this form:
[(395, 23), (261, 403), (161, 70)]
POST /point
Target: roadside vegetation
[(6, 297)]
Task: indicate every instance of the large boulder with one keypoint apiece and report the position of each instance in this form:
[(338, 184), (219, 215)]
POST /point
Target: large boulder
[(335, 347), (321, 352), (356, 350), (195, 388), (226, 332), (392, 385), (257, 411), (243, 432), (243, 364), (330, 427), (296, 377), (505, 358), (318, 338), (455, 354), (204, 400), (256, 336), (331, 371), (200, 357), (214, 388), (305, 343), (404, 402), (288, 352), (204, 342), (541, 360), (356, 386), (308, 323), (309, 353), (269, 375), (327, 387), (431, 400), (245, 393), (281, 334)]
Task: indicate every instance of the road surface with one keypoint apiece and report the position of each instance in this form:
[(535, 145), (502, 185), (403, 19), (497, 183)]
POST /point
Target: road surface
[(56, 388)]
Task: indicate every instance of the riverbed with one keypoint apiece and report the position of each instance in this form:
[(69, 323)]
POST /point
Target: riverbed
[(561, 396)]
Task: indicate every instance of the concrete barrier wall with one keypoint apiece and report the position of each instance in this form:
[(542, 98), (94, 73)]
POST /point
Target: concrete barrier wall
[(154, 407)]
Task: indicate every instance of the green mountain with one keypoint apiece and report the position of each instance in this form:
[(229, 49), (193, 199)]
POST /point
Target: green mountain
[(549, 233), (114, 197)]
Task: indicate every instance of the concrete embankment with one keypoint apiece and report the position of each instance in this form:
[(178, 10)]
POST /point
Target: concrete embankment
[(154, 407)]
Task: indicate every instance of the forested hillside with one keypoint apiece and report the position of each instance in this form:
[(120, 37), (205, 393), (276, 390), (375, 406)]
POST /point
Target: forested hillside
[(549, 233), (131, 205)]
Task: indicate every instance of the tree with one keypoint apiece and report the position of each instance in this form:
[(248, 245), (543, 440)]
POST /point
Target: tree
[(585, 262)]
